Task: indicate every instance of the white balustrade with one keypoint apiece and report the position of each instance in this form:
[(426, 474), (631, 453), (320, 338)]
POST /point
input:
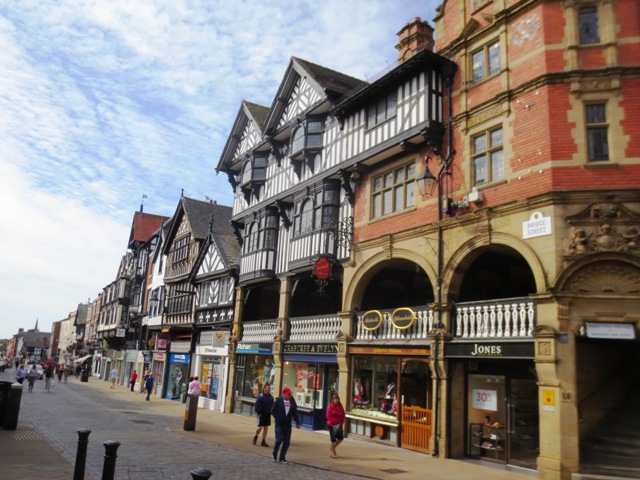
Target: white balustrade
[(419, 330), (511, 318), (310, 329), (259, 332)]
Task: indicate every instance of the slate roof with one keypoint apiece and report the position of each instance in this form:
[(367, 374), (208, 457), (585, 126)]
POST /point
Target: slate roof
[(331, 81)]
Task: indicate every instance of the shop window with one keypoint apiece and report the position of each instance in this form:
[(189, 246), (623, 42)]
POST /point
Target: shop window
[(253, 373), (485, 62), (211, 377), (393, 191), (178, 381), (588, 25), (306, 382), (374, 387), (597, 132), (488, 156)]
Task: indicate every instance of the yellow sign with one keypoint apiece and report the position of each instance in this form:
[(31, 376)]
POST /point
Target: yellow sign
[(548, 398), (371, 320)]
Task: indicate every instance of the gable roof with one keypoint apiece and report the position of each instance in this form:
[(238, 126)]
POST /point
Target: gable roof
[(331, 85), (248, 112), (200, 215), (144, 226)]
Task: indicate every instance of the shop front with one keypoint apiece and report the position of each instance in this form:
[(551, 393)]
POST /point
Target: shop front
[(255, 368), (391, 394), (311, 372), (212, 363), (177, 376), (501, 400), (157, 370)]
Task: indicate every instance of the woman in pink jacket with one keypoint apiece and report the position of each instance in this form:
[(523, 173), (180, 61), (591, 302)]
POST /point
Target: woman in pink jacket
[(335, 421)]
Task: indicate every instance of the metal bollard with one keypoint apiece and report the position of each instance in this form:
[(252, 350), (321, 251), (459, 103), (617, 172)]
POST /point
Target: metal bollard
[(191, 412), (81, 456), (200, 474), (110, 455)]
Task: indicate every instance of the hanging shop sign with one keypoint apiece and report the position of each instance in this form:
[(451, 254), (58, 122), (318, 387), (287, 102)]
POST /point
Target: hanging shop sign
[(371, 320), (322, 268), (403, 318)]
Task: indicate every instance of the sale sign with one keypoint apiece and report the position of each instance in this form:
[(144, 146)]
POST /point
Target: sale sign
[(485, 399)]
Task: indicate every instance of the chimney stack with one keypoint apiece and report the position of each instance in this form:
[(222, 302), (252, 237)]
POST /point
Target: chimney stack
[(415, 36)]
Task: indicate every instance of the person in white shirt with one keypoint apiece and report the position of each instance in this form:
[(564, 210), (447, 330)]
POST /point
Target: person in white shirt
[(195, 387)]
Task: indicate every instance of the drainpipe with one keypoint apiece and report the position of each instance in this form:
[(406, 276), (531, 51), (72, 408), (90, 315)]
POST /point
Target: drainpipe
[(448, 72)]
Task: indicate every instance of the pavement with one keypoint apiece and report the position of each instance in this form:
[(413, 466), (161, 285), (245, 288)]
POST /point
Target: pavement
[(27, 454)]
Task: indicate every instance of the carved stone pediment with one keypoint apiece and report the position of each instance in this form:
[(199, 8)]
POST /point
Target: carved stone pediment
[(604, 228)]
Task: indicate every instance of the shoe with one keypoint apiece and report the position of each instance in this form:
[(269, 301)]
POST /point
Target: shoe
[(263, 444), (283, 461), (255, 439), (274, 458)]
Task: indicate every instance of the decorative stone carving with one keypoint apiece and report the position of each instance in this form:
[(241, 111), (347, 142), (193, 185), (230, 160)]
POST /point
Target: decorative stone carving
[(604, 228), (605, 277)]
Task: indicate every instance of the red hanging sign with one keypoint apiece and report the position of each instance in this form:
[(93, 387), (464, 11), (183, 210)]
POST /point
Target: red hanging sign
[(323, 268)]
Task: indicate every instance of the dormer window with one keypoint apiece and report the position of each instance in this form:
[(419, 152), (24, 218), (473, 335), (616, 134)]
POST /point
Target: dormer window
[(382, 110), (306, 138)]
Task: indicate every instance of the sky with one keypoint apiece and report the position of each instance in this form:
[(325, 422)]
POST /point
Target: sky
[(107, 104)]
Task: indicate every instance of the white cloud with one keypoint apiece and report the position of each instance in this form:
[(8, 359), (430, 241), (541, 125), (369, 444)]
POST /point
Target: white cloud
[(103, 102)]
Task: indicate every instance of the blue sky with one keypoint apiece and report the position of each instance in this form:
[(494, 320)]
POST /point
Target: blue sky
[(104, 101)]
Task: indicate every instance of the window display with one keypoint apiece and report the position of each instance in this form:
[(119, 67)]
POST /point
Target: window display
[(306, 382), (253, 372), (211, 376), (374, 387)]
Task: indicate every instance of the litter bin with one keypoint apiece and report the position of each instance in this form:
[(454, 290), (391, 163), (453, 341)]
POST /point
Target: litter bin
[(5, 389), (84, 375), (10, 421)]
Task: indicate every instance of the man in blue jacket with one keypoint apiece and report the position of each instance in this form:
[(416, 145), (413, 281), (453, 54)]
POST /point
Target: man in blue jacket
[(284, 410)]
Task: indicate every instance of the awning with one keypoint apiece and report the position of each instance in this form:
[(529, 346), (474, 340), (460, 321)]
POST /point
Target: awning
[(82, 359)]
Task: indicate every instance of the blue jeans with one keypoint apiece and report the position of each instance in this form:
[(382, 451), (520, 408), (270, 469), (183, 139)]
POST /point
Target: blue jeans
[(283, 437)]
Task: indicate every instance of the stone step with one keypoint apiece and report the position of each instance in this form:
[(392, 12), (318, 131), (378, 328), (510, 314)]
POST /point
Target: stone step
[(609, 472)]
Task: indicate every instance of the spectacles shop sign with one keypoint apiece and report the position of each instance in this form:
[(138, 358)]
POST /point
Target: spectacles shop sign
[(536, 226)]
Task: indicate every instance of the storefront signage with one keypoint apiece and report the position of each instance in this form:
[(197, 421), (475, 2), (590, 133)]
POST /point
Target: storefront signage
[(611, 331), (371, 320), (159, 357), (484, 399), (403, 318), (536, 226), (322, 268), (162, 344), (310, 348), (389, 351), (207, 350), (490, 350), (181, 358), (121, 332), (263, 348)]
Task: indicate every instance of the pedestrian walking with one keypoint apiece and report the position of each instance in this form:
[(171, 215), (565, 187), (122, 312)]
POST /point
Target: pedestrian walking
[(32, 374), (132, 379), (49, 373), (113, 376), (335, 423), (195, 387), (65, 373), (284, 410), (148, 385), (263, 406), (60, 372), (21, 374), (143, 382)]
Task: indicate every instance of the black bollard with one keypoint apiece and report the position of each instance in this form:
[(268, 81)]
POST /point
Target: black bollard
[(200, 474), (81, 456), (110, 455)]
